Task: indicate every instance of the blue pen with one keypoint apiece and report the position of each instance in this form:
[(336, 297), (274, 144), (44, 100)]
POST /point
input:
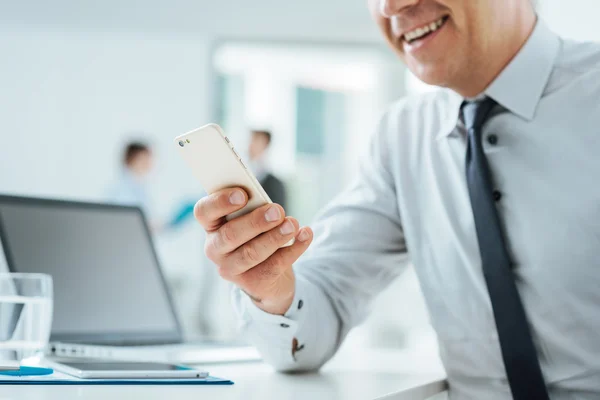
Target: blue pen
[(28, 371)]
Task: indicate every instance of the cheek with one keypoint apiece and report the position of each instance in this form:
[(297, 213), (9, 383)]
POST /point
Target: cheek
[(374, 6), (385, 25)]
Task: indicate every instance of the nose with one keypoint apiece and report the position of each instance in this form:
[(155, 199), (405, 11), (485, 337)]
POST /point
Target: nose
[(389, 8)]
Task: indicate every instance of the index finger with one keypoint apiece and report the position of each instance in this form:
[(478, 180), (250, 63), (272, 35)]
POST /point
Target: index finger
[(211, 210)]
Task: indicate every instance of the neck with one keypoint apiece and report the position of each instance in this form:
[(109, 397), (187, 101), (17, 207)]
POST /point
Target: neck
[(501, 52)]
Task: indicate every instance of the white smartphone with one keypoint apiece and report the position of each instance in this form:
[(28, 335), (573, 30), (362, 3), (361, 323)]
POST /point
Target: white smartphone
[(216, 165), (89, 369)]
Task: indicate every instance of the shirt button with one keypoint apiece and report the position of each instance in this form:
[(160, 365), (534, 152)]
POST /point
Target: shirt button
[(300, 304), (284, 325), (492, 139), (497, 195)]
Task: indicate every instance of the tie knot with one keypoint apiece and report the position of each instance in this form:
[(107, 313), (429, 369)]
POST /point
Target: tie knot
[(476, 112)]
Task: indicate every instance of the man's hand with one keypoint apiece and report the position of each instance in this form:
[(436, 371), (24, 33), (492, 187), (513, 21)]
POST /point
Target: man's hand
[(247, 250)]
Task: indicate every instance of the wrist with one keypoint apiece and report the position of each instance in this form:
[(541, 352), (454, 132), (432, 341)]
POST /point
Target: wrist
[(279, 302)]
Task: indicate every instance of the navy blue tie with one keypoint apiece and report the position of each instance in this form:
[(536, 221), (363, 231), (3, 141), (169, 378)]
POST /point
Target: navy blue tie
[(518, 351)]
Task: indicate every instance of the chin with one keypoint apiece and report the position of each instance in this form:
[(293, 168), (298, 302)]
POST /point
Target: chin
[(431, 76)]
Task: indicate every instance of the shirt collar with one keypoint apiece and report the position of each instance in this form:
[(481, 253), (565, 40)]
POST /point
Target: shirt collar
[(521, 84)]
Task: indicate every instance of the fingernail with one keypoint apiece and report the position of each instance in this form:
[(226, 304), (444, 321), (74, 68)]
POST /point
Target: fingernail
[(303, 236), (286, 228), (272, 214), (237, 198)]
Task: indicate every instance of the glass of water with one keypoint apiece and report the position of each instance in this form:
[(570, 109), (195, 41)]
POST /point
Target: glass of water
[(25, 317)]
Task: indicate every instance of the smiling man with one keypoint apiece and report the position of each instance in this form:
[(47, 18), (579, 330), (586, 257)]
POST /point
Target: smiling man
[(490, 185)]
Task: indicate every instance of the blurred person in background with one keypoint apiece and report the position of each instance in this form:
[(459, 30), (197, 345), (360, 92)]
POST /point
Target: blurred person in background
[(488, 183), (131, 188), (257, 151)]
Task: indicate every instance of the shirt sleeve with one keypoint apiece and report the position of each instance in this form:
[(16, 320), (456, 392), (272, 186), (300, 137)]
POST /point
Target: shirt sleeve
[(359, 248), (273, 335)]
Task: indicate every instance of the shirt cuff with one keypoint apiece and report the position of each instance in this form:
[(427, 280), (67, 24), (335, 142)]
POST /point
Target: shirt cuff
[(273, 335)]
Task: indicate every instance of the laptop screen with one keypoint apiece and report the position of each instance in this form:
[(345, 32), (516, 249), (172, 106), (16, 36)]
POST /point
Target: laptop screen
[(108, 285)]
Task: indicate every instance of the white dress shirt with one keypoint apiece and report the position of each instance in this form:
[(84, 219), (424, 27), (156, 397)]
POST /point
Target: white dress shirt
[(411, 199)]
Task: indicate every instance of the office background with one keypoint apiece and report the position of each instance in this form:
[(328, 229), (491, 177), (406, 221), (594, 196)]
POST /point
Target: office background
[(78, 79)]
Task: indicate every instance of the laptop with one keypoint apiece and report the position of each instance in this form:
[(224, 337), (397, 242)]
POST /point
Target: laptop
[(111, 300)]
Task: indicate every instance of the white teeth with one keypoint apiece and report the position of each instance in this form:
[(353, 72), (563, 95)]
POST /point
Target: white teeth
[(420, 32)]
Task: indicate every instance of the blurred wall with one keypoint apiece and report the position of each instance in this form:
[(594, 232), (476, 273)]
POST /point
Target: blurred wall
[(69, 102), (575, 19)]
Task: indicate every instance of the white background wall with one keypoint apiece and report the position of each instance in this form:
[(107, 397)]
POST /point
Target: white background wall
[(68, 102), (575, 19)]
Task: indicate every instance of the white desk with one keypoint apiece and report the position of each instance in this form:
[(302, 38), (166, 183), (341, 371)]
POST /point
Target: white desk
[(370, 374)]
